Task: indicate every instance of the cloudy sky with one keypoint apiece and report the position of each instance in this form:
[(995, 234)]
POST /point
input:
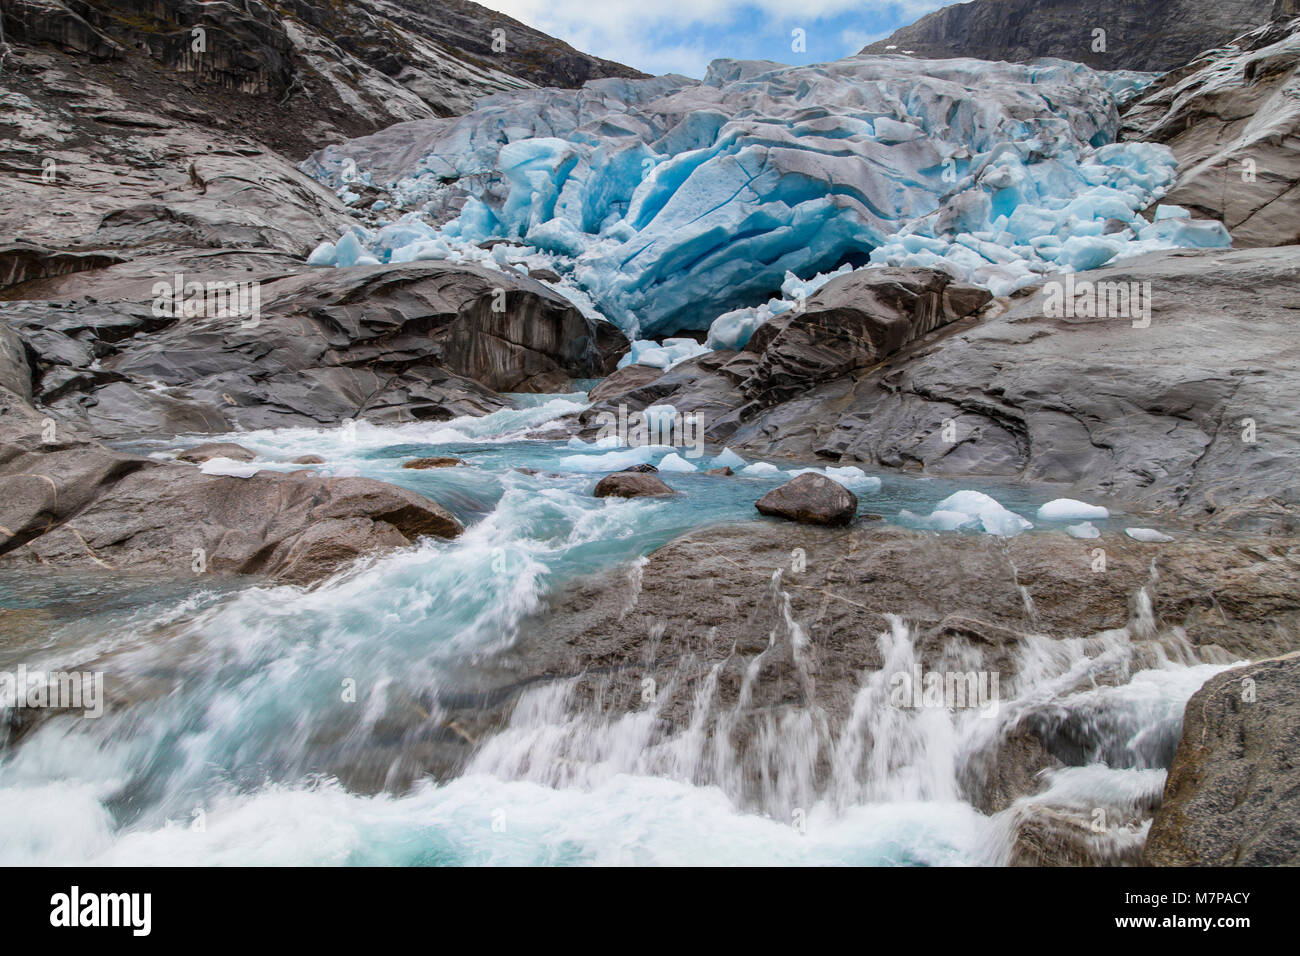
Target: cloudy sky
[(682, 36)]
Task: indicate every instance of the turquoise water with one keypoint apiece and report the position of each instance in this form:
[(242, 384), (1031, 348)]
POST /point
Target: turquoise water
[(228, 738)]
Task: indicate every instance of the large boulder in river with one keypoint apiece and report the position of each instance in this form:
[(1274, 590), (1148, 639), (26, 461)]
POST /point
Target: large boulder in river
[(810, 499), (1233, 793), (631, 484)]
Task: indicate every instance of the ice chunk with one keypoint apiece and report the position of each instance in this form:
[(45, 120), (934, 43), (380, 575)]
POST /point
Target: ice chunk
[(728, 459), (322, 255), (760, 469), (1147, 534), (1085, 530), (675, 463), (938, 520), (1067, 509), (613, 460), (990, 514)]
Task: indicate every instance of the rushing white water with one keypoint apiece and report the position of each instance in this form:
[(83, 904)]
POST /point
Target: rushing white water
[(228, 739)]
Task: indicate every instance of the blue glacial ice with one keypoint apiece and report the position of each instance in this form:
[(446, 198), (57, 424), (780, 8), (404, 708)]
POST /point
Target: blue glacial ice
[(672, 204)]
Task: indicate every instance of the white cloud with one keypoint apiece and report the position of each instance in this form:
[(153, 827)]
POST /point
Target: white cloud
[(624, 30)]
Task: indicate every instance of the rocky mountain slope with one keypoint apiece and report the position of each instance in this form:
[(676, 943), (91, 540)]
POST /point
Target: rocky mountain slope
[(1232, 117), (298, 73), (1140, 34)]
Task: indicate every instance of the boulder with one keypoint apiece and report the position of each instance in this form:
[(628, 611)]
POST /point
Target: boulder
[(436, 462), (631, 484), (309, 460), (725, 471), (1233, 793), (810, 499), (624, 380), (220, 449)]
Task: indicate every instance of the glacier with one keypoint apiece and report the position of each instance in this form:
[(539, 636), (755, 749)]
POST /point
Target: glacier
[(671, 204)]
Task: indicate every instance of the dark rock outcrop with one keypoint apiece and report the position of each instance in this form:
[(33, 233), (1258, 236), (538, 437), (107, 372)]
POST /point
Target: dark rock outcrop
[(440, 461), (384, 343), (1139, 34), (851, 323), (810, 499), (298, 72), (1232, 117), (631, 484), (1233, 793)]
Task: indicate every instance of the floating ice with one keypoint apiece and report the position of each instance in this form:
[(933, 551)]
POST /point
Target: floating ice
[(1085, 530), (848, 476), (728, 459), (613, 460), (1147, 534), (760, 469), (670, 204), (970, 509), (676, 463), (1067, 509)]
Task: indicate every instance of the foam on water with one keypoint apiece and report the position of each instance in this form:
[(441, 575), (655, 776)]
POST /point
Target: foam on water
[(226, 704)]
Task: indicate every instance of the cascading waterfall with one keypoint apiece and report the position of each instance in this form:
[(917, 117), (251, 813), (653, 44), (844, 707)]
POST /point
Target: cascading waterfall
[(225, 705)]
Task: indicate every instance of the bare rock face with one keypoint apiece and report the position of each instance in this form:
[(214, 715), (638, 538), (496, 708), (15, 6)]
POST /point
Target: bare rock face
[(1233, 793), (631, 484), (810, 499), (385, 343), (623, 380), (853, 322), (66, 501), (1140, 34), (330, 69), (1232, 117)]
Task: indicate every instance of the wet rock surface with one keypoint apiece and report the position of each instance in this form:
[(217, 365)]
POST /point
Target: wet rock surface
[(764, 634), (631, 484), (1233, 795)]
